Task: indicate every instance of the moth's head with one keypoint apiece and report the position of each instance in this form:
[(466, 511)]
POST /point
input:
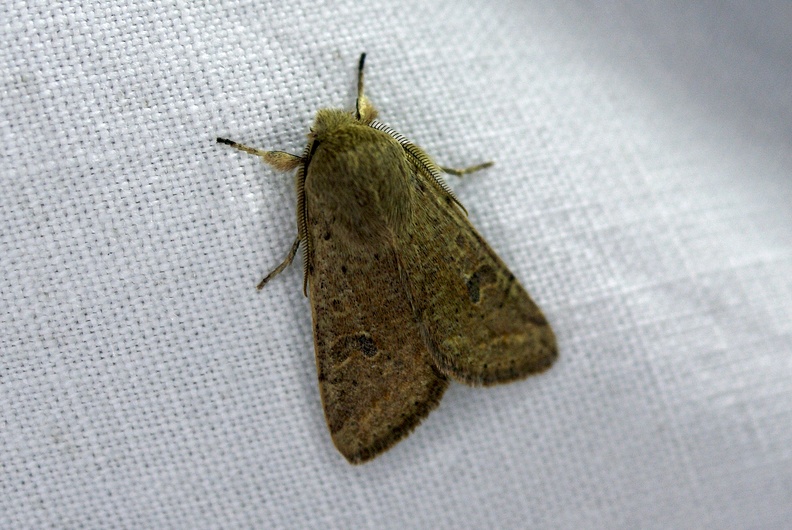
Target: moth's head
[(330, 121)]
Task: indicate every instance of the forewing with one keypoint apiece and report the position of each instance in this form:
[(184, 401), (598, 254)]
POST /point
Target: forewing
[(480, 324), (376, 377)]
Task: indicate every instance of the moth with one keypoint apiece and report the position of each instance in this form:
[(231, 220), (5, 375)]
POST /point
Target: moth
[(405, 294)]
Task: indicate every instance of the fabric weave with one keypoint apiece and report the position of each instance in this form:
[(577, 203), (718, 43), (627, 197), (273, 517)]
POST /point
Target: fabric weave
[(640, 192)]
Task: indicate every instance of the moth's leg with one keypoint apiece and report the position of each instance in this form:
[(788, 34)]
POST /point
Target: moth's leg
[(364, 110), (278, 159), (284, 162), (283, 265), (466, 170)]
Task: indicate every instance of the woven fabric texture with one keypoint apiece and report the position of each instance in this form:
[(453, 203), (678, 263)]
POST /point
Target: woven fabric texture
[(640, 193)]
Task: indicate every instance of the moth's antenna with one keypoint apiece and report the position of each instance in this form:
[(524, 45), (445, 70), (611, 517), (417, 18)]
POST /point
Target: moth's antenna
[(358, 101)]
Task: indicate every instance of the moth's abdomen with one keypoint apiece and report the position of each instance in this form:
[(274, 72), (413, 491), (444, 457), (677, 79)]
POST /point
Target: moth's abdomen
[(359, 177)]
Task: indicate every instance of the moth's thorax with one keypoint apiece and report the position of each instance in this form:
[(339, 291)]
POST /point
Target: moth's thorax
[(357, 176)]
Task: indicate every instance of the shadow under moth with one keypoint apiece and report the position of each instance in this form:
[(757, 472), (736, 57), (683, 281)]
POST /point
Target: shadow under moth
[(405, 293)]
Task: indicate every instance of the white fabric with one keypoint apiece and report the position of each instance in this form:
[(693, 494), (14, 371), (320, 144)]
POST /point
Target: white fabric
[(641, 193)]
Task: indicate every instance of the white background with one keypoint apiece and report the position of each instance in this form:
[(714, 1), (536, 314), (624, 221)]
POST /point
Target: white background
[(641, 193)]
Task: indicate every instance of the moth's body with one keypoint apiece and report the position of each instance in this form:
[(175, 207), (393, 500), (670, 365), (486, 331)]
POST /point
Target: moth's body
[(358, 176), (358, 202), (405, 294)]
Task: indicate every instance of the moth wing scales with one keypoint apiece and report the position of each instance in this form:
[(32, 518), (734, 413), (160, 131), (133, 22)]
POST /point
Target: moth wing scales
[(376, 377), (481, 325)]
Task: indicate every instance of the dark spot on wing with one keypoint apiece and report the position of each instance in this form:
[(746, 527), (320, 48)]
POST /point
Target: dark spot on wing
[(473, 289), (484, 275), (345, 346), (366, 344)]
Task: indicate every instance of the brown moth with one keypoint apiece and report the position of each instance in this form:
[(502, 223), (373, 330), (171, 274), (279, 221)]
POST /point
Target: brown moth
[(405, 293)]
